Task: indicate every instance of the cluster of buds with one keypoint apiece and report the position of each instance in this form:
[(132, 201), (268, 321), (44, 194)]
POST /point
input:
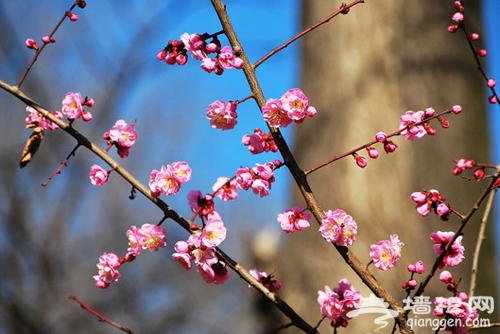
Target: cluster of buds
[(428, 200), (458, 19), (414, 268), (464, 164), (454, 308), (259, 142), (176, 53)]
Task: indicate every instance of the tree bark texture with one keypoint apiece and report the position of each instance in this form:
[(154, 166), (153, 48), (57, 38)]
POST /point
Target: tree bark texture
[(362, 71)]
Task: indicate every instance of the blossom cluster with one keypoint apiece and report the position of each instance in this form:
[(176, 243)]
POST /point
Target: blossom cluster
[(386, 253), (455, 307), (259, 142), (123, 136), (295, 219), (34, 117), (222, 115), (199, 249), (176, 53), (455, 255), (148, 236), (259, 178), (414, 268), (72, 106), (338, 227), (340, 305), (293, 106), (225, 188), (168, 179), (268, 281), (428, 200), (463, 164), (412, 125)]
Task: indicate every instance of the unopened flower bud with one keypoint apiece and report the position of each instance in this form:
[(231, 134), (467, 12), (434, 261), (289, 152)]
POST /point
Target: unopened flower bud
[(390, 146), (458, 17), (360, 160), (456, 109), (493, 99), (479, 174), (31, 44), (46, 39), (372, 152), (491, 83), (474, 36), (380, 137), (482, 52), (73, 17), (445, 124), (452, 28)]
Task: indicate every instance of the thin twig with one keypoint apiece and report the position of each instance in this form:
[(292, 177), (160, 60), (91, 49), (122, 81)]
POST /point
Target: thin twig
[(100, 317), (480, 238), (64, 163), (344, 8), (40, 49)]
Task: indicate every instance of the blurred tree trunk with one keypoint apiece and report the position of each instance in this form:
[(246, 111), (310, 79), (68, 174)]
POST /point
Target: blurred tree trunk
[(362, 71)]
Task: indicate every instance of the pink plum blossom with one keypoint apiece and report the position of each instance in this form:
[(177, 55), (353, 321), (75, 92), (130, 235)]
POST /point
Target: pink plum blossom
[(340, 304), (408, 121), (163, 182), (226, 58), (199, 204), (72, 105), (259, 178), (338, 227), (296, 105), (134, 236), (295, 219), (153, 237), (259, 142), (214, 231), (181, 170), (169, 178), (98, 175), (275, 115), (386, 253), (123, 134), (226, 189), (455, 308), (267, 280), (34, 117), (107, 270), (455, 255), (195, 44), (222, 115)]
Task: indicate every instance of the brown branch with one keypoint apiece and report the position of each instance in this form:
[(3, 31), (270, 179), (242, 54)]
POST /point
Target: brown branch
[(100, 316), (300, 178), (167, 210)]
